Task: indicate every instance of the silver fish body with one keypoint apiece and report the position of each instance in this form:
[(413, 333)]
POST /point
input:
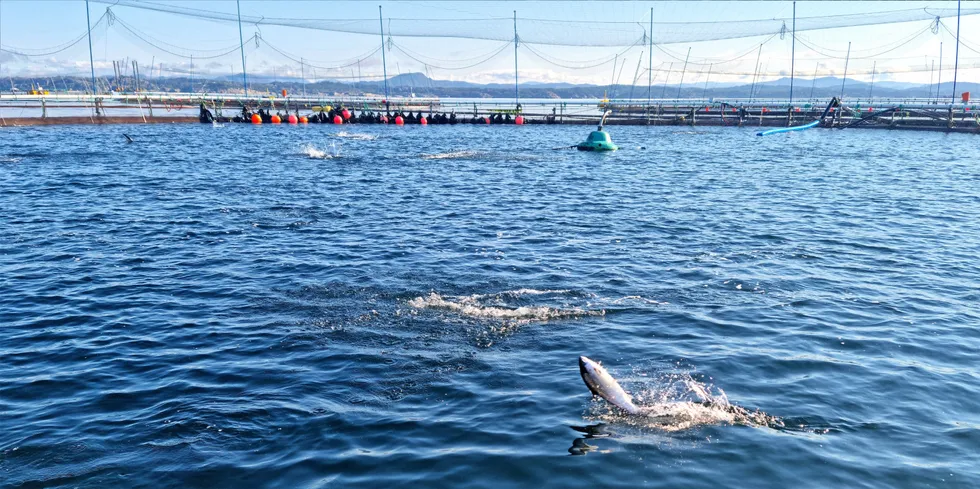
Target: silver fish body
[(605, 386)]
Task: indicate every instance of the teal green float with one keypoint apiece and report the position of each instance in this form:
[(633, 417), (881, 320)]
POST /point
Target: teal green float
[(597, 141)]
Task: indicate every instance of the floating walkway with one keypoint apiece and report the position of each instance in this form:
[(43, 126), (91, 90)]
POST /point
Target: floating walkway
[(905, 114)]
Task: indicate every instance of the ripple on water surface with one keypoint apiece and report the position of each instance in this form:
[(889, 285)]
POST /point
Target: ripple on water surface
[(319, 306)]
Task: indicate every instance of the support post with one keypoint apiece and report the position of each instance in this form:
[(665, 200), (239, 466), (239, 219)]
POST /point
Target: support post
[(704, 95), (792, 62), (91, 57), (956, 63), (241, 45), (384, 62), (650, 67), (813, 83), (939, 81), (664, 92), (681, 84), (846, 61), (755, 74), (517, 91), (871, 93)]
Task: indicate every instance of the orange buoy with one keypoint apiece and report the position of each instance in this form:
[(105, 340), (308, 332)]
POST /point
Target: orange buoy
[(292, 119), (337, 120), (423, 121), (276, 119), (399, 120), (304, 120), (256, 119), (346, 114), (519, 120), (283, 92)]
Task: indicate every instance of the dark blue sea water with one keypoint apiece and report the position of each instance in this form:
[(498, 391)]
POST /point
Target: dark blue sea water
[(227, 307)]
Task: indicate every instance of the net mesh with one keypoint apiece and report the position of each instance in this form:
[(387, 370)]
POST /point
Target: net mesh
[(561, 33)]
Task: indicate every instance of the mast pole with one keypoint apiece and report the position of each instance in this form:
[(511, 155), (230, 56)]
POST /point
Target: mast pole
[(517, 91), (241, 46), (650, 62), (956, 64), (91, 57), (384, 62), (792, 63)]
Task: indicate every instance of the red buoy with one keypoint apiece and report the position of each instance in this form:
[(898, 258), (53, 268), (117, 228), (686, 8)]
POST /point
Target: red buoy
[(519, 120), (871, 109), (276, 119), (384, 119), (304, 120), (292, 119), (337, 120), (256, 119), (423, 121), (399, 120), (346, 114), (487, 120)]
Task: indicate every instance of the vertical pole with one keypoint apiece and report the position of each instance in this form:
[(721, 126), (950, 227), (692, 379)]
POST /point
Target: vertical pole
[(91, 57), (792, 62), (517, 92), (302, 73), (650, 62), (956, 64), (755, 75), (939, 82), (192, 73), (384, 62), (664, 92), (814, 83), (241, 45), (681, 84), (932, 76), (705, 94), (871, 94), (846, 61)]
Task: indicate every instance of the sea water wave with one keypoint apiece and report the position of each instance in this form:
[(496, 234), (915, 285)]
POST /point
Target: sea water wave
[(204, 308)]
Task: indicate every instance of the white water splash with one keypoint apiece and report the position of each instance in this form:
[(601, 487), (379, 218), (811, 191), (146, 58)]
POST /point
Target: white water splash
[(449, 155), (311, 151), (495, 306), (356, 136), (677, 402)]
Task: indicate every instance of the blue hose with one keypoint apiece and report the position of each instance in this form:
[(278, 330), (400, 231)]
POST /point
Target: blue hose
[(789, 129)]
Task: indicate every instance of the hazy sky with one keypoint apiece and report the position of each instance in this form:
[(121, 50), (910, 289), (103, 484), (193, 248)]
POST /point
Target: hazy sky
[(899, 52)]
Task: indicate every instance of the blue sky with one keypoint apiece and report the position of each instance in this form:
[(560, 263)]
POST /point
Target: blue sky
[(32, 26)]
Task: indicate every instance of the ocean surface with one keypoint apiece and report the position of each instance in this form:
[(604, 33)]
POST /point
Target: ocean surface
[(365, 306)]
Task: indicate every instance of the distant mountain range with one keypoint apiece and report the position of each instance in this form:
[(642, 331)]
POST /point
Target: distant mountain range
[(419, 85)]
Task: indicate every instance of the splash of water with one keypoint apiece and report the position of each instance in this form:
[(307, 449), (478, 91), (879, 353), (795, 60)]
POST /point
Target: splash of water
[(496, 306), (451, 155), (356, 136), (313, 152), (677, 402)]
